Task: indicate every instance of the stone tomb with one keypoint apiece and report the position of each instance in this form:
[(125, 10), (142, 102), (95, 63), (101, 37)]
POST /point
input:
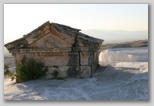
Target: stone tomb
[(62, 48)]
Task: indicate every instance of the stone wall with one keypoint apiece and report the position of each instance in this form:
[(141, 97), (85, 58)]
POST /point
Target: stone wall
[(68, 63)]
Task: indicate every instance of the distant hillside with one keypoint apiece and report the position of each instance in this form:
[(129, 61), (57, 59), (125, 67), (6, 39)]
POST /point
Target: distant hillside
[(133, 44)]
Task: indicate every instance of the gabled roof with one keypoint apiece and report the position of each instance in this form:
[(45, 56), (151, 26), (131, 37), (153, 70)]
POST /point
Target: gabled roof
[(43, 30), (89, 38), (75, 31), (65, 27), (37, 29)]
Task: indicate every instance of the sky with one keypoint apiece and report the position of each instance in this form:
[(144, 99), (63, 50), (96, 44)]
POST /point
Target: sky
[(20, 19)]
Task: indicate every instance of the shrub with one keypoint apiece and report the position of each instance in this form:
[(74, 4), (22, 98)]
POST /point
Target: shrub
[(6, 69), (7, 72), (55, 73), (29, 70)]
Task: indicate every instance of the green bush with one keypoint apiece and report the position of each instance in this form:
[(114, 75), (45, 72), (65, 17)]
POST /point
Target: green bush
[(6, 69), (29, 70), (7, 72), (55, 73)]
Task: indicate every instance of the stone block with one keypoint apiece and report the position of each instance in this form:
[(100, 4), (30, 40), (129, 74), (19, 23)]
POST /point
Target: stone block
[(56, 60), (85, 71), (85, 58), (93, 68), (63, 71), (73, 59), (73, 72)]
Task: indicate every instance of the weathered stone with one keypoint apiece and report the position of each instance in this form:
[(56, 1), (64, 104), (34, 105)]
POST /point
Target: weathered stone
[(93, 68), (63, 71), (73, 59), (49, 72), (56, 60), (85, 58), (73, 53), (73, 72), (85, 71)]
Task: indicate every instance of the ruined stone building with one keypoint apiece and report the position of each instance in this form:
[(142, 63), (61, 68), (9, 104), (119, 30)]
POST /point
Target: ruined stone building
[(60, 47)]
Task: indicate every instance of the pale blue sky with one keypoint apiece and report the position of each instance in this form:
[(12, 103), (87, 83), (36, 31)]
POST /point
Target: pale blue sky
[(20, 19)]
